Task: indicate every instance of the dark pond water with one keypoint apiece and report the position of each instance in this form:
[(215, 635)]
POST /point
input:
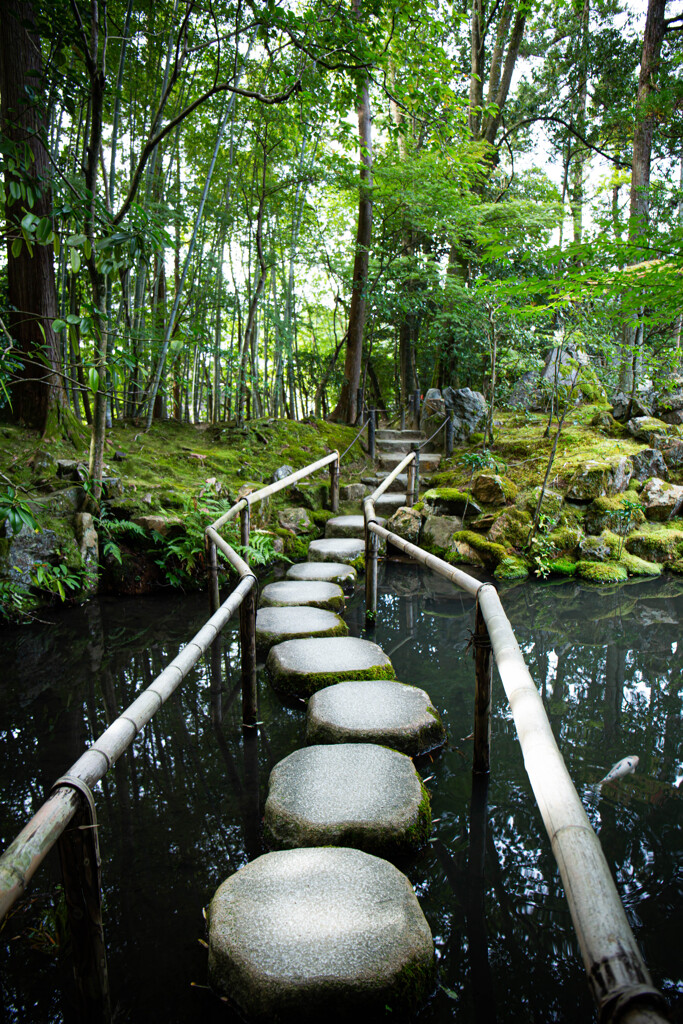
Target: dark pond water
[(182, 810)]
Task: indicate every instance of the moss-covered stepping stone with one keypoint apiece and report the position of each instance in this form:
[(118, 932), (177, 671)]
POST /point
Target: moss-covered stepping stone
[(375, 711), (347, 526), (329, 572), (316, 594), (319, 934), (300, 667), (335, 549), (347, 794), (273, 625)]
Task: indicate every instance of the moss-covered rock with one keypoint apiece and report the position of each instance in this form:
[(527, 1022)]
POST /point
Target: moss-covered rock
[(610, 511), (437, 532), (604, 548), (511, 568), (653, 432), (511, 528), (662, 499), (562, 567), (449, 501), (490, 553), (656, 544), (493, 489), (406, 522), (601, 572), (566, 539), (598, 477), (639, 566), (527, 501)]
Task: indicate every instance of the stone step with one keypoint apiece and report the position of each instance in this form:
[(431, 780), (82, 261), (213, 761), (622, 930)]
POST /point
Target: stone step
[(400, 435), (397, 485), (396, 445), (314, 594), (300, 667), (348, 526), (327, 572), (275, 625), (347, 794), (335, 549), (375, 711), (389, 503), (429, 461), (315, 934)]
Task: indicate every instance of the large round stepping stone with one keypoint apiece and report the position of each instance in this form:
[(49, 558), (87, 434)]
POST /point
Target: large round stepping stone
[(335, 549), (347, 526), (315, 594), (300, 667), (310, 935), (375, 711), (347, 794), (329, 572), (273, 625)]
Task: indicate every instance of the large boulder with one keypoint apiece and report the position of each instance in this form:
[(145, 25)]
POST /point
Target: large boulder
[(673, 456), (526, 393), (437, 532), (565, 364), (625, 408), (449, 501), (662, 500), (612, 513), (27, 549), (649, 462), (468, 410), (652, 432), (434, 405), (493, 489), (295, 519), (406, 522), (669, 405), (598, 477)]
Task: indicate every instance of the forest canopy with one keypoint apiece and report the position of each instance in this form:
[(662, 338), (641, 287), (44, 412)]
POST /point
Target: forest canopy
[(219, 211)]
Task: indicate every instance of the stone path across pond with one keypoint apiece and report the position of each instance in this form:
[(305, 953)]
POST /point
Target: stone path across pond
[(325, 926)]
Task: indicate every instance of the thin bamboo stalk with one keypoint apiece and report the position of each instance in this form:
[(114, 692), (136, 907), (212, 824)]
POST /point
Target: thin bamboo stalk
[(25, 854)]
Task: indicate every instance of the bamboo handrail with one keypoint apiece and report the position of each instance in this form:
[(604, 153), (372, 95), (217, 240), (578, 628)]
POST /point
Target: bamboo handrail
[(25, 854), (279, 485), (618, 978)]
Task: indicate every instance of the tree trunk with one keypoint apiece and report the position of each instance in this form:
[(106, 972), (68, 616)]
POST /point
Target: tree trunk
[(639, 206), (346, 408), (38, 395)]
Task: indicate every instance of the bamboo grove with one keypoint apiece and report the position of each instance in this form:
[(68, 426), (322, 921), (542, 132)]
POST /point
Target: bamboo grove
[(220, 211)]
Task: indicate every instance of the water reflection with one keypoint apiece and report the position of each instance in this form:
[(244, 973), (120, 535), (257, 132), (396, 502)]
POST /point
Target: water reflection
[(182, 809)]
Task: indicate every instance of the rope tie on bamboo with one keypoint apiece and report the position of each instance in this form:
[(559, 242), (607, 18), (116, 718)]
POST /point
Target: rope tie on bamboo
[(73, 782), (477, 643), (626, 998)]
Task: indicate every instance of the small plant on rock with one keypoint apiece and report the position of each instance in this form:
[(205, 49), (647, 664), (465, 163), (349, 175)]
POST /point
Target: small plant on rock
[(623, 519)]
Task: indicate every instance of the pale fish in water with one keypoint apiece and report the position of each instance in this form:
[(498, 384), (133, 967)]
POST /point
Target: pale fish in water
[(626, 766)]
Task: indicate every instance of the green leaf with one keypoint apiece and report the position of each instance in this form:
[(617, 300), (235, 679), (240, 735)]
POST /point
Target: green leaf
[(93, 379), (58, 325), (75, 260), (73, 318), (16, 247), (76, 240)]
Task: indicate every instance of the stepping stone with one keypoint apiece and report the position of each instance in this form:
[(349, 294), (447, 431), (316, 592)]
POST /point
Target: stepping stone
[(274, 625), (346, 526), (310, 935), (375, 711), (300, 667), (330, 572), (315, 594), (336, 549), (390, 503), (429, 461), (347, 794)]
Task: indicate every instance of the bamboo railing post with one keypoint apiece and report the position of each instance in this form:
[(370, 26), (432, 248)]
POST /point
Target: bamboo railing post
[(410, 484), (449, 437), (334, 484), (248, 653), (79, 855), (483, 665), (415, 490), (212, 571), (371, 433), (403, 416), (245, 530), (371, 559)]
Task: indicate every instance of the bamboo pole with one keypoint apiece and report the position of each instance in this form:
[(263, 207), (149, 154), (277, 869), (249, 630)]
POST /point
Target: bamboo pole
[(25, 854), (618, 978), (212, 572), (371, 558), (481, 759), (245, 530), (388, 480), (414, 494), (334, 485), (279, 485)]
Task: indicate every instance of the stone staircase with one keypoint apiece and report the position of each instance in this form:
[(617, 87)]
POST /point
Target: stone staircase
[(392, 446), (325, 925)]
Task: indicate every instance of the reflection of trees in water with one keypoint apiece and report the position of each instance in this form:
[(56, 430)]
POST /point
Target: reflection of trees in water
[(182, 809)]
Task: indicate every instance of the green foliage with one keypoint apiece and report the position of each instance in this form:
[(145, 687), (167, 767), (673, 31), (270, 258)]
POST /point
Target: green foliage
[(17, 512)]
